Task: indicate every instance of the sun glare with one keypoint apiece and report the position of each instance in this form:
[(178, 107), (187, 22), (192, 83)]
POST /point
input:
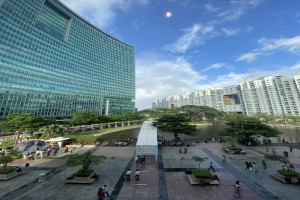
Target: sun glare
[(168, 14)]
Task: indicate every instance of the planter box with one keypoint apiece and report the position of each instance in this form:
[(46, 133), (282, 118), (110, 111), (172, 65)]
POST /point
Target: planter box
[(8, 176), (81, 180)]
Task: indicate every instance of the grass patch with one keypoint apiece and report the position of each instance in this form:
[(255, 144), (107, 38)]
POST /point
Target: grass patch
[(84, 173), (201, 173), (275, 157), (288, 173), (7, 170)]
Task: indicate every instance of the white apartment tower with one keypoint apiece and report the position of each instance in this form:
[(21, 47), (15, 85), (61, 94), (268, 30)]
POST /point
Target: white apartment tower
[(276, 95)]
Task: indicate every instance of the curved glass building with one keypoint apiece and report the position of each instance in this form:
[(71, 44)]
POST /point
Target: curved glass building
[(54, 63)]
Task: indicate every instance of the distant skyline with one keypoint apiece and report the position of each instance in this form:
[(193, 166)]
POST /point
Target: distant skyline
[(187, 45)]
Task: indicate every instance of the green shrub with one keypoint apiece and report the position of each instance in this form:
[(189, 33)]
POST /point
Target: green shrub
[(275, 157), (234, 148), (7, 170), (84, 173), (201, 173), (288, 173)]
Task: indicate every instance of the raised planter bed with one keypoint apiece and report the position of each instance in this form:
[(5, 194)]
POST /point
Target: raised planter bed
[(81, 180), (195, 181), (4, 177)]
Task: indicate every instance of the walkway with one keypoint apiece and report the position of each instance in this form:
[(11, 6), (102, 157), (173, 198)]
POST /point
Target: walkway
[(162, 180)]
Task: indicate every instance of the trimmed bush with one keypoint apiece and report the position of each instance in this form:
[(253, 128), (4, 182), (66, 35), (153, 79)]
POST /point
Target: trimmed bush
[(201, 173), (288, 173), (7, 170), (234, 148), (84, 173), (275, 157)]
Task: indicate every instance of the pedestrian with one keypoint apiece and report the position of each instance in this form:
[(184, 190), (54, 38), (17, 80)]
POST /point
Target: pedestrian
[(211, 166), (250, 166), (254, 167), (273, 151), (100, 193), (291, 149), (105, 190), (128, 173), (237, 190), (247, 165), (267, 149), (137, 175), (263, 162), (224, 159)]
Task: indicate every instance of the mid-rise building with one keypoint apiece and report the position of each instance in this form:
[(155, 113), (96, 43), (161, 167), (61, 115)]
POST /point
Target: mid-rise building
[(276, 95), (54, 63)]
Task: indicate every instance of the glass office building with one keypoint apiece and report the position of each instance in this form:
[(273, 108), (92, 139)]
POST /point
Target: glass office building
[(54, 63)]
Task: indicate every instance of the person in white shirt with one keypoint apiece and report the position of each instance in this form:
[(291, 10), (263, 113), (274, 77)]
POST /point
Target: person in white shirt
[(137, 175), (128, 173)]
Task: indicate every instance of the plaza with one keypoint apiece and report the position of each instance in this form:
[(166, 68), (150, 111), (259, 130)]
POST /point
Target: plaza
[(161, 180)]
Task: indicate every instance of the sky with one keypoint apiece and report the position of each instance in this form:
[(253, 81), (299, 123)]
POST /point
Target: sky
[(187, 45)]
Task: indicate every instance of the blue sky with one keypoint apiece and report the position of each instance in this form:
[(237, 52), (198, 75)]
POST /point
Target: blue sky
[(204, 44)]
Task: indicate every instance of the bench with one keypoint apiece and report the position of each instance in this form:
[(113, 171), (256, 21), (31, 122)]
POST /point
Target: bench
[(194, 181), (279, 177)]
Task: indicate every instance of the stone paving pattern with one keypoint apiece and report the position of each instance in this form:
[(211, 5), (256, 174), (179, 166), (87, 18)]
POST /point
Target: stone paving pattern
[(160, 180)]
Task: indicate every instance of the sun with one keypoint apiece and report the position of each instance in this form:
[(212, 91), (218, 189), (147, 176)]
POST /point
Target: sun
[(168, 14)]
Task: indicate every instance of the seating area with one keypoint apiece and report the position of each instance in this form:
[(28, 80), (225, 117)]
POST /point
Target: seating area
[(283, 179), (194, 181)]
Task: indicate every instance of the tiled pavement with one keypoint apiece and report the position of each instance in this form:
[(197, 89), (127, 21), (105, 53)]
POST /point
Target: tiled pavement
[(160, 180)]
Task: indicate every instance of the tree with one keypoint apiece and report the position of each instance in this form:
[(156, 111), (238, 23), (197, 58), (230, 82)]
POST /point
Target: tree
[(84, 117), (85, 160), (198, 159), (176, 124), (244, 128), (198, 113), (5, 159), (53, 130), (24, 121)]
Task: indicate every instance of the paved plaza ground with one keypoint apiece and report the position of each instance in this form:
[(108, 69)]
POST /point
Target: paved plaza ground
[(161, 180)]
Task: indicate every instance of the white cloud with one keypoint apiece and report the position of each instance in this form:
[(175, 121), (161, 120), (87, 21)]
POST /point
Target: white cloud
[(218, 66), (268, 46), (211, 8), (158, 77), (236, 31), (248, 57), (102, 13), (195, 35), (238, 8)]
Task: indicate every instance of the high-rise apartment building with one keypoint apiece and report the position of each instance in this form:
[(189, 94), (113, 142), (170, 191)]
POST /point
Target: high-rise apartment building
[(54, 63), (276, 95)]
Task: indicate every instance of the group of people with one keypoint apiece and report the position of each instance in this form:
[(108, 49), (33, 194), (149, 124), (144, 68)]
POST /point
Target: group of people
[(140, 160), (251, 166), (103, 192), (128, 174)]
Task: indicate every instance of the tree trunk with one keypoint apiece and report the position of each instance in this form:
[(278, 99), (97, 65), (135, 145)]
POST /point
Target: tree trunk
[(175, 136)]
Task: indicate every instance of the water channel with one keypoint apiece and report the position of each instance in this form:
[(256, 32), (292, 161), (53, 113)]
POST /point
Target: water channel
[(207, 132)]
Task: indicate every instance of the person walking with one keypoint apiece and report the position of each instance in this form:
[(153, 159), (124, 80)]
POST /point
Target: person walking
[(291, 149), (254, 167), (137, 175), (263, 162), (237, 190), (211, 166), (105, 190), (128, 173), (273, 151), (100, 193), (224, 159)]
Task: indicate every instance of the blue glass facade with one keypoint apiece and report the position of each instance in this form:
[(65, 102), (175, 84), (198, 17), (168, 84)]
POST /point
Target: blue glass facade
[(54, 63)]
